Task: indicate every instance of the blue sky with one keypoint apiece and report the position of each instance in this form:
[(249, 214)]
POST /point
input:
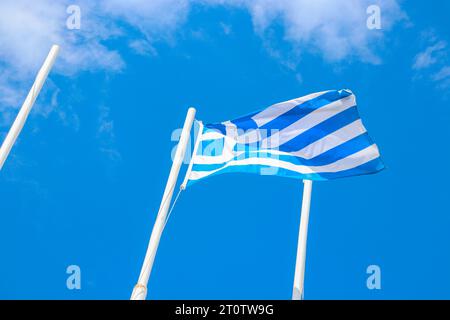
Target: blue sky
[(83, 183)]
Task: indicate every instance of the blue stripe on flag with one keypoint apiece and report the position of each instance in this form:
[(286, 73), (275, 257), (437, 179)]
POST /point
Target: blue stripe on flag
[(215, 126), (245, 123), (321, 130), (303, 109)]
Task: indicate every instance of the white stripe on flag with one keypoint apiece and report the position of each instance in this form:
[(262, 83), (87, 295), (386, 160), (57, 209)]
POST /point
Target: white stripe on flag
[(279, 109), (211, 135), (332, 140), (309, 121)]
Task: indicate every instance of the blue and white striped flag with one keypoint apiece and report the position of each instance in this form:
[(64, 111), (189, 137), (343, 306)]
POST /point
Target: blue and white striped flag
[(316, 137)]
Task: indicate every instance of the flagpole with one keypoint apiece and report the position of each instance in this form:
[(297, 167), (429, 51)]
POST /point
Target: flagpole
[(299, 278), (19, 122), (140, 289)]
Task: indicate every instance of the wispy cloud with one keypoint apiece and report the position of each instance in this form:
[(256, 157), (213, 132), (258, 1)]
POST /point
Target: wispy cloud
[(142, 47), (337, 30), (226, 28), (432, 63), (105, 134), (27, 31), (430, 56), (155, 19), (334, 29), (443, 74)]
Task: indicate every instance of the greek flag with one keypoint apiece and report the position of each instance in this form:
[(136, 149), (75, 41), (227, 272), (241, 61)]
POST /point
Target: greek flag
[(316, 137)]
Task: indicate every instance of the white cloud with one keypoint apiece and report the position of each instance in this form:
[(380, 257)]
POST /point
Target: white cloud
[(334, 29), (105, 134), (430, 55), (442, 78), (226, 28), (27, 31), (142, 47), (432, 63), (442, 74), (156, 19)]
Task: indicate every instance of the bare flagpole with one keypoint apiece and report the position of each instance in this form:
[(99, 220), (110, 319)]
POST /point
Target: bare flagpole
[(299, 278), (19, 122), (140, 289)]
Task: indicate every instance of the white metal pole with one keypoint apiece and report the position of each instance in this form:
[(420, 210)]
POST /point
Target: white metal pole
[(299, 278), (19, 122), (140, 289)]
